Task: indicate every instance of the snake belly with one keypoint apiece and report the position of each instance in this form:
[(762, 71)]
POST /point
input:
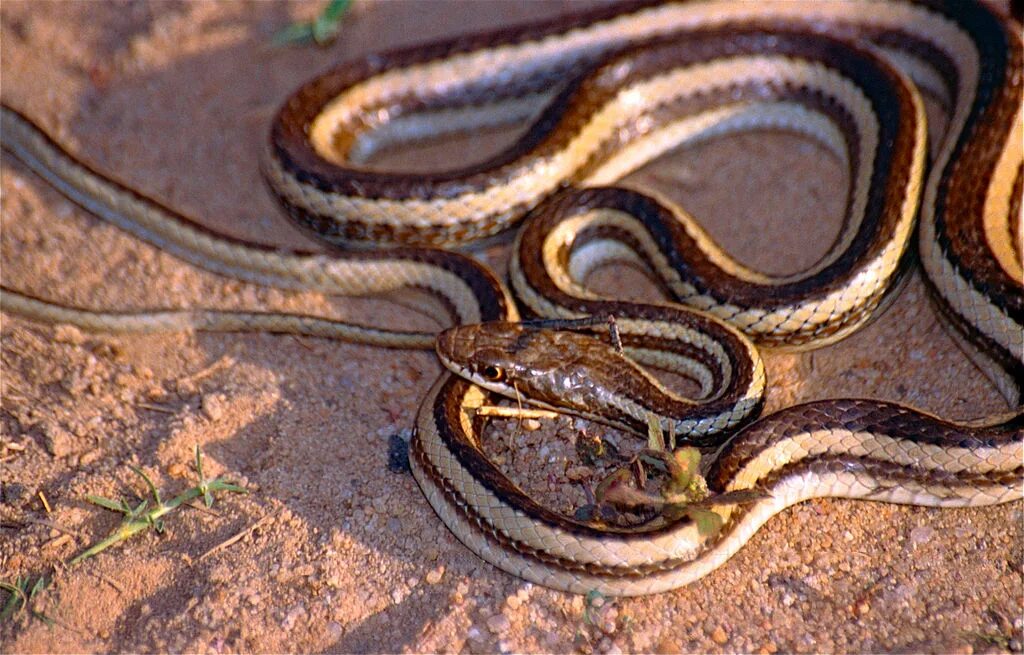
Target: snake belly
[(605, 92)]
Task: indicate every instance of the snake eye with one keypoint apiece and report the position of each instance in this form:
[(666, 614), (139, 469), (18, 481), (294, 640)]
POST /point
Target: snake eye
[(492, 373)]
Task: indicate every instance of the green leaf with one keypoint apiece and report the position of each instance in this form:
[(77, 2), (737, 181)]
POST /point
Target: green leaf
[(37, 587), (688, 460), (293, 34), (708, 522), (112, 505), (149, 483), (323, 30), (618, 477), (17, 599), (655, 437), (335, 10)]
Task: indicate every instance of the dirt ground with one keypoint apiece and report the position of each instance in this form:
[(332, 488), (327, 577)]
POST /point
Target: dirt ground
[(339, 552)]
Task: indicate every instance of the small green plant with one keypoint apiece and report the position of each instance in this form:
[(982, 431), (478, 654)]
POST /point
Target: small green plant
[(684, 492), (321, 31), (142, 517), (23, 594)]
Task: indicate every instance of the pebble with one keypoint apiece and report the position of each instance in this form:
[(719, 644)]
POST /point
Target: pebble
[(498, 623), (514, 602), (90, 457), (921, 535), (719, 636), (68, 334), (334, 630), (434, 575), (294, 614), (212, 406), (58, 441), (578, 473), (474, 634), (531, 425), (15, 494)]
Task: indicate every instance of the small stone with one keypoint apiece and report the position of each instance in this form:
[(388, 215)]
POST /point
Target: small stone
[(863, 608), (668, 646), (89, 457), (513, 602), (719, 636), (394, 525), (921, 535), (178, 470), (334, 630), (212, 406), (290, 619), (15, 494), (434, 575), (58, 441), (498, 623), (577, 473), (68, 334), (531, 425), (398, 454)]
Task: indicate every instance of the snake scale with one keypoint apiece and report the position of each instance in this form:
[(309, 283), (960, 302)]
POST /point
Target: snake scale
[(604, 92)]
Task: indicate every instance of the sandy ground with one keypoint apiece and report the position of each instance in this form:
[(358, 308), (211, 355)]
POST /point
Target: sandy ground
[(341, 553)]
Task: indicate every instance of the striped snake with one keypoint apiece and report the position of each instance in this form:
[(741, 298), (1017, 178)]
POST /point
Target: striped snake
[(605, 92)]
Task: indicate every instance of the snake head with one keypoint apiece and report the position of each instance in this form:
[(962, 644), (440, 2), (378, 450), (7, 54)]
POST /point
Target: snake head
[(555, 369)]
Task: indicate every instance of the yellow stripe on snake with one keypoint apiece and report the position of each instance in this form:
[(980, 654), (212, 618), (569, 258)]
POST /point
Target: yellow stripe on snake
[(604, 93)]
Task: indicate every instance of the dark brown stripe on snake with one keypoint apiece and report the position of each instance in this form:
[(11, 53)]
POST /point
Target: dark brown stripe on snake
[(884, 414), (558, 123), (1007, 360), (970, 167), (447, 419), (1016, 228), (480, 280), (855, 415), (289, 139)]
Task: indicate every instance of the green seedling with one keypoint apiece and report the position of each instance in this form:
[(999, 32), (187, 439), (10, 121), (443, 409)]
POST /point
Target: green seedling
[(321, 31), (23, 593), (140, 518), (684, 491), (593, 602)]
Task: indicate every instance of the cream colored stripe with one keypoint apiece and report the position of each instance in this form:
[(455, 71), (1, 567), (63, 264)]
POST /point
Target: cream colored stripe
[(997, 202)]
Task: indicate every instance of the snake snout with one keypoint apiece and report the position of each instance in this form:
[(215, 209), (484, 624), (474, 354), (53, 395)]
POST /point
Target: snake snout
[(456, 345)]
